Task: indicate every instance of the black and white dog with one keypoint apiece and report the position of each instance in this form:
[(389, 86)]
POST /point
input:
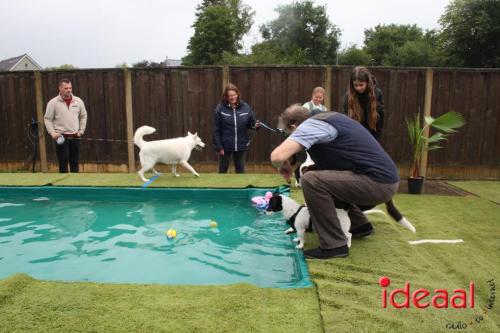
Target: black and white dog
[(297, 217)]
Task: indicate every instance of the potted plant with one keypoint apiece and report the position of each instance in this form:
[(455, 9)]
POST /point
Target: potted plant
[(444, 125)]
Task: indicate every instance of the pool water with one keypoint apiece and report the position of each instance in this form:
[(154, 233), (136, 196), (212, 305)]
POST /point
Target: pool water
[(118, 235)]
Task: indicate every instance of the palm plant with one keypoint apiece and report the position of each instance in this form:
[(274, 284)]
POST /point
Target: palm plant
[(445, 124)]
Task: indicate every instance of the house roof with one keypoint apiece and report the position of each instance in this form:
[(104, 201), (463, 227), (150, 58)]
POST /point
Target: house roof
[(173, 62), (7, 64)]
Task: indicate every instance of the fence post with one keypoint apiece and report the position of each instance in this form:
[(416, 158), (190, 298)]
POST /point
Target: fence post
[(328, 88), (429, 75), (130, 119), (225, 76), (41, 123)]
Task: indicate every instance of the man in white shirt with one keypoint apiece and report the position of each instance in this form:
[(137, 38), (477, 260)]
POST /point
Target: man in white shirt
[(65, 119)]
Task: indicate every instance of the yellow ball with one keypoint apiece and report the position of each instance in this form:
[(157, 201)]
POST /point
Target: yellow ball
[(213, 224), (171, 233)]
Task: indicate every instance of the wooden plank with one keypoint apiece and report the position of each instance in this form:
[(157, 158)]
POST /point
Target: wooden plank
[(429, 75), (129, 114)]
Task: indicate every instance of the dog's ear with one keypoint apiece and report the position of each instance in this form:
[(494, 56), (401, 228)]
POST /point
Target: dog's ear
[(196, 134), (189, 133), (275, 203)]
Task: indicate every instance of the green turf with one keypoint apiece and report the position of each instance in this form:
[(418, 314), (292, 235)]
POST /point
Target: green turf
[(350, 297), (347, 291), (28, 305), (488, 190), (212, 180)]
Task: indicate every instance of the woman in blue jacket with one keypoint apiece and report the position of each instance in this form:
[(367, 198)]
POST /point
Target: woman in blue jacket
[(232, 120)]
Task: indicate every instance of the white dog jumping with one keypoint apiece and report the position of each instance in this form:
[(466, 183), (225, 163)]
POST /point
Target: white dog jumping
[(169, 151)]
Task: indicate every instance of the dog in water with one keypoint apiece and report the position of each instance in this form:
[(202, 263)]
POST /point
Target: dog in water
[(169, 151), (297, 217)]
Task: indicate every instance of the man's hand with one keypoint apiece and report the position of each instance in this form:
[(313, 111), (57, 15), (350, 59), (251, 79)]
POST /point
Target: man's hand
[(55, 135), (286, 171), (221, 152)]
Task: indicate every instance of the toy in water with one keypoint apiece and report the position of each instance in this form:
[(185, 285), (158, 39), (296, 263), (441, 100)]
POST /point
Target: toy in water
[(213, 224), (171, 233), (262, 202)]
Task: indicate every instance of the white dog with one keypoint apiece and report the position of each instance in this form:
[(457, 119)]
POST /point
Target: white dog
[(298, 218), (170, 151)]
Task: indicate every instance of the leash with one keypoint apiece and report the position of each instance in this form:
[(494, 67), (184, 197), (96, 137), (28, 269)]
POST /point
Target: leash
[(152, 179)]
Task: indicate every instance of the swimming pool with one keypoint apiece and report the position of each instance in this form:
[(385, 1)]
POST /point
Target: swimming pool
[(117, 235)]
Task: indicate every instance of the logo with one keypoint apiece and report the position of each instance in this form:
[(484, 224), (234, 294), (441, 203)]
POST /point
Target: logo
[(422, 298)]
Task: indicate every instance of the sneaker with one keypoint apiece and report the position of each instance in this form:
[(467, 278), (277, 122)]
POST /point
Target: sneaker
[(362, 231), (319, 253)]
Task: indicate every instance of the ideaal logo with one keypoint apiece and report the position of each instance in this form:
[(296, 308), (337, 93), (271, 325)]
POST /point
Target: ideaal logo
[(419, 298), (440, 299)]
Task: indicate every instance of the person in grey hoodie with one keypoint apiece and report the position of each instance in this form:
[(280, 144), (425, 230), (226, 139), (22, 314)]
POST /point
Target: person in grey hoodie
[(233, 118), (65, 119)]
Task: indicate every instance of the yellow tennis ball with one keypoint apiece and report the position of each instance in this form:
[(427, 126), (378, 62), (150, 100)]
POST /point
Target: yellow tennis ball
[(213, 224), (171, 233)]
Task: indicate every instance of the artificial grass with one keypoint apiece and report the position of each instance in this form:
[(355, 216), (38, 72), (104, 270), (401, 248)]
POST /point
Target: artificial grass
[(347, 289), (206, 180), (486, 189), (28, 305)]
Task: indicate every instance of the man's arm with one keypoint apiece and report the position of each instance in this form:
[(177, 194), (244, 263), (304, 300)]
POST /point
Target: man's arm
[(82, 120), (48, 120), (284, 151)]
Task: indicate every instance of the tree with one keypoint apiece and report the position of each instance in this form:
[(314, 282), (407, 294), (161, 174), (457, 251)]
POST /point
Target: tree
[(302, 34), (402, 45), (219, 27), (148, 64), (470, 33), (354, 56)]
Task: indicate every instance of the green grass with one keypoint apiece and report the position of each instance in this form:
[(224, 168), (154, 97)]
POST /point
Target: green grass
[(28, 305), (347, 297), (488, 190), (211, 180)]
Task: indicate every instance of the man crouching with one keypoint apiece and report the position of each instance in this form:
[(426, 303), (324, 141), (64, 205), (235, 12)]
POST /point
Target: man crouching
[(352, 170)]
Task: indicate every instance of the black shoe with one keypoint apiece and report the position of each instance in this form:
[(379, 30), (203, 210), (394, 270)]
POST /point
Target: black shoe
[(319, 253), (362, 231)]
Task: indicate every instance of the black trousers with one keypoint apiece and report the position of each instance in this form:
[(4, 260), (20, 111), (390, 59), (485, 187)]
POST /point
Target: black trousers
[(68, 152), (239, 161)]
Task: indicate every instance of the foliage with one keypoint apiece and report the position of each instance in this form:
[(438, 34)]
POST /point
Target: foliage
[(470, 31), (354, 56), (219, 27), (62, 67), (444, 125), (401, 45), (302, 34), (148, 64)]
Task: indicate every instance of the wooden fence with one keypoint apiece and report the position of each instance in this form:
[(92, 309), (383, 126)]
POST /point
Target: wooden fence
[(180, 99)]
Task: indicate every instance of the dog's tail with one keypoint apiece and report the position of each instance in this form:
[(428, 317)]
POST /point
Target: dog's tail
[(140, 132)]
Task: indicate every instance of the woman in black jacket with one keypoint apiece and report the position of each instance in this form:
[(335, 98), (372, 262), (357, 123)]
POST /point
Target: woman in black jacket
[(364, 101), (232, 120)]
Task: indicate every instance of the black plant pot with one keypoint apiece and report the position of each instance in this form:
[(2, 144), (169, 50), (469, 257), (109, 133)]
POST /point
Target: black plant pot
[(415, 185)]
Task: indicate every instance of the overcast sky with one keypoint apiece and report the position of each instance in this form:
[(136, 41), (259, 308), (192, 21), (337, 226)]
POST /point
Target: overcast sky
[(105, 33)]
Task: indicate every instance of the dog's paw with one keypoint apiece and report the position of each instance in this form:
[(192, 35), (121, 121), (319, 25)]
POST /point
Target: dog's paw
[(296, 239), (300, 246), (288, 231), (196, 175)]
